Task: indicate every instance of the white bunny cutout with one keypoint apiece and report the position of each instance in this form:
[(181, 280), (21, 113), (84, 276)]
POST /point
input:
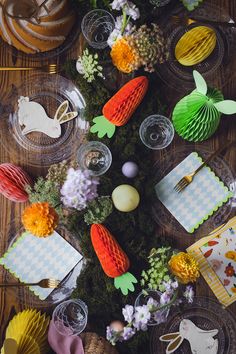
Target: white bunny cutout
[(33, 116), (201, 342)]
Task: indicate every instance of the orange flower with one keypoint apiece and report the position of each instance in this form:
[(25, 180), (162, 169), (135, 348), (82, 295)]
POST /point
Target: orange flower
[(124, 56), (231, 255), (184, 267), (233, 289), (40, 219), (229, 270)]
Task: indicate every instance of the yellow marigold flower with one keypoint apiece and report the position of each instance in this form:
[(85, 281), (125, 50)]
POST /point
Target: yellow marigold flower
[(124, 56), (40, 219), (184, 267)]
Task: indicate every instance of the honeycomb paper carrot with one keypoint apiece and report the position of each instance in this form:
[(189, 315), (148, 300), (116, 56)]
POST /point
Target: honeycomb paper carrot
[(113, 259), (119, 109)]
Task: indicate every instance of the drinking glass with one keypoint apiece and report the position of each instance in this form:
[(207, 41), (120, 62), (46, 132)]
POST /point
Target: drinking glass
[(94, 156), (70, 317), (96, 27), (156, 132)]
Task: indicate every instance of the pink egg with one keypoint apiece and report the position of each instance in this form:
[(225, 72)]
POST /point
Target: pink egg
[(117, 326)]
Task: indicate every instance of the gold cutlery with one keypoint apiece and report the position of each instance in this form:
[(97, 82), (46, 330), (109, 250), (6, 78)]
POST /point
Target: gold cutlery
[(50, 68), (44, 283), (186, 180)]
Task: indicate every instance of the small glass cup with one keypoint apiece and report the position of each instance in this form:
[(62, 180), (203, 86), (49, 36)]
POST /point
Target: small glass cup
[(95, 157), (161, 314), (96, 27), (70, 317), (156, 132)]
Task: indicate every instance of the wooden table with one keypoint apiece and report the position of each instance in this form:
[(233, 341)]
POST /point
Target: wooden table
[(10, 305)]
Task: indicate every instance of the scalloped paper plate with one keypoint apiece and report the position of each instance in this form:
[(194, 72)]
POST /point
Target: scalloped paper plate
[(199, 200), (31, 259)]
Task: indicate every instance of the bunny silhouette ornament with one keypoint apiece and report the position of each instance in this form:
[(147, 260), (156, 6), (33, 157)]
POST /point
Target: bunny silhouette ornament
[(201, 342), (33, 116)]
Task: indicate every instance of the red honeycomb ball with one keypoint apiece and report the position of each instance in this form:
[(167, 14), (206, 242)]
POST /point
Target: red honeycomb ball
[(13, 181)]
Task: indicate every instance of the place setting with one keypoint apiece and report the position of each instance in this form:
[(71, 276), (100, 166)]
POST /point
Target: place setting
[(118, 209)]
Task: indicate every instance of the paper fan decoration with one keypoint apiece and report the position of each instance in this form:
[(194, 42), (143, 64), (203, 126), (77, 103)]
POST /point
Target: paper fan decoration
[(13, 181), (195, 45), (196, 116), (29, 330)]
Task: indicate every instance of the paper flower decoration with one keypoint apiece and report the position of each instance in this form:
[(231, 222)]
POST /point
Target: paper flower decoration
[(113, 259), (195, 45), (184, 267), (40, 219), (13, 181), (191, 4), (124, 56), (79, 189), (119, 109), (196, 116), (29, 330)]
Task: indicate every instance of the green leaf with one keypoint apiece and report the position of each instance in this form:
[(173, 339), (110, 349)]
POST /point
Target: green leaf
[(191, 4), (226, 106), (125, 283), (103, 127), (200, 82)]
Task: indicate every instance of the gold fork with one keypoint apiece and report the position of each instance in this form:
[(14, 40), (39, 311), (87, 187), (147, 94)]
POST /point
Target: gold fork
[(50, 68), (185, 20), (44, 283), (186, 180)]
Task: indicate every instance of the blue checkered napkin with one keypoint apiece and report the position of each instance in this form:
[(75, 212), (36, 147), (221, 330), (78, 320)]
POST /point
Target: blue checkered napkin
[(199, 200), (31, 259)]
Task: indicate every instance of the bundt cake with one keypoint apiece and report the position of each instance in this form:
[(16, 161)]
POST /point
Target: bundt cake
[(31, 36)]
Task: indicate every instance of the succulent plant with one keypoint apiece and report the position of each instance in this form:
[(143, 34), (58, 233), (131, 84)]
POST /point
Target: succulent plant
[(57, 173), (98, 210), (151, 46)]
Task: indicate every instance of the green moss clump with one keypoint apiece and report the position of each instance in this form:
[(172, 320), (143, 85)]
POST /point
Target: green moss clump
[(45, 191), (98, 210)]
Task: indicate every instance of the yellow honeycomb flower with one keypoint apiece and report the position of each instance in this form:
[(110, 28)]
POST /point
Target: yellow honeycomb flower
[(184, 267), (124, 56), (40, 219)]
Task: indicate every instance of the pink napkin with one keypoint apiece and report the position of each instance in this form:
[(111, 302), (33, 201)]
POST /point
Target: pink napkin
[(64, 344)]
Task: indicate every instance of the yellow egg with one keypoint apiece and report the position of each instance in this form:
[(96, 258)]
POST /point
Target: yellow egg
[(125, 198)]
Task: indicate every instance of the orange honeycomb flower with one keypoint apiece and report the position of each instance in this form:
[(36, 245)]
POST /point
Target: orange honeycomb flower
[(184, 267), (124, 56), (40, 219)]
